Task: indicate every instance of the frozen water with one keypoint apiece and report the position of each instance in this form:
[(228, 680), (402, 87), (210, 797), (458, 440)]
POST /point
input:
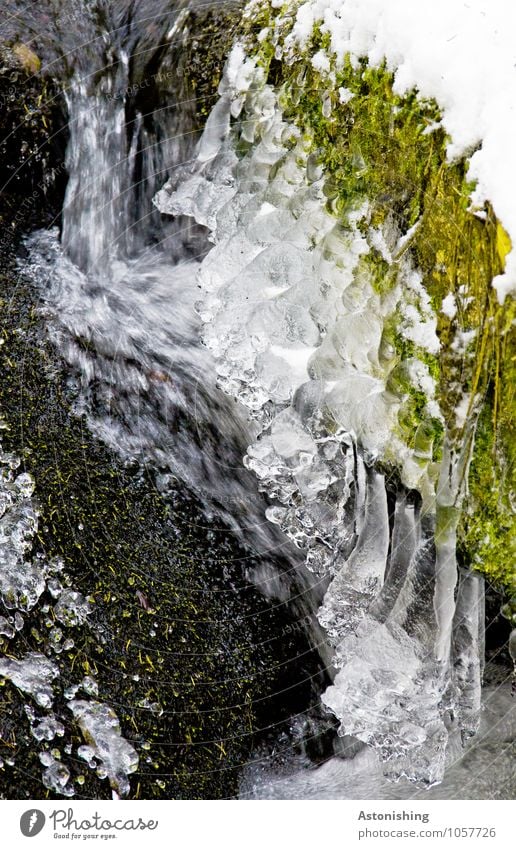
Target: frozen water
[(483, 770), (46, 727), (22, 581), (56, 776), (33, 674), (71, 608)]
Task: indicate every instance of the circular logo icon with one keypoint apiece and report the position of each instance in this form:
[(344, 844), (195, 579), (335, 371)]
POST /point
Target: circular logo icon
[(31, 822)]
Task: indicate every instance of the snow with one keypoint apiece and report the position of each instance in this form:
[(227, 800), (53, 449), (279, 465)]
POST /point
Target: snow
[(449, 307), (345, 95), (461, 411), (461, 54), (321, 61)]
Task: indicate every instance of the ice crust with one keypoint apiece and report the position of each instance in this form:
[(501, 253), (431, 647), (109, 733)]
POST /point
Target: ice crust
[(297, 331), (21, 581), (33, 674), (56, 775)]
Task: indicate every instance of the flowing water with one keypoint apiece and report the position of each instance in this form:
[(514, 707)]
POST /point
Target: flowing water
[(119, 285)]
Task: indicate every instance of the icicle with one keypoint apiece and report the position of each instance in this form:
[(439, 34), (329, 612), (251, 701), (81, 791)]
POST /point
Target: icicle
[(468, 650), (359, 580), (405, 540)]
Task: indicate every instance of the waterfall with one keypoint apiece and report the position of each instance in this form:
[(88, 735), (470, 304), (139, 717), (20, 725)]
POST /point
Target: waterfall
[(120, 290), (94, 218)]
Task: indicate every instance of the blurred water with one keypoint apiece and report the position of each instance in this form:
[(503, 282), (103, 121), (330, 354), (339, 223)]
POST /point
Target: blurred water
[(119, 287)]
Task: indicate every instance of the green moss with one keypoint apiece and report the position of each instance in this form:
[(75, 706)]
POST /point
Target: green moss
[(193, 669), (378, 270), (488, 529)]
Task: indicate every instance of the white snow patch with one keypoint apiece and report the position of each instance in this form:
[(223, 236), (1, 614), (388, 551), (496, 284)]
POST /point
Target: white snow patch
[(461, 411), (345, 95), (321, 62)]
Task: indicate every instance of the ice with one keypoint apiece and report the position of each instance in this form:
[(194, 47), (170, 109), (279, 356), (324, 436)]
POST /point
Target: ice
[(6, 628), (115, 758), (361, 577), (33, 674), (56, 776), (46, 727), (405, 541), (89, 686), (21, 582), (468, 650), (473, 773), (71, 608), (55, 637)]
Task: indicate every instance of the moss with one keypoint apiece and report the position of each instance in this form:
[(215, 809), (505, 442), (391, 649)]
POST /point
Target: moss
[(386, 153), (29, 60), (488, 530), (378, 270)]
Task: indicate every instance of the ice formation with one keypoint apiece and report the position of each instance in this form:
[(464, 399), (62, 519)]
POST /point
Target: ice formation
[(300, 336), (44, 727), (56, 775), (105, 750), (72, 608), (21, 581), (24, 577), (34, 674)]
